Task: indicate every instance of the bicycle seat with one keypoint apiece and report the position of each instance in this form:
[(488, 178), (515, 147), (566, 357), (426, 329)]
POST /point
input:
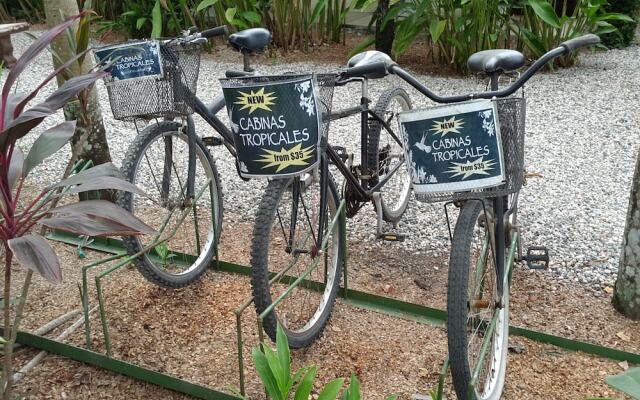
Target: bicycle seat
[(369, 57), (250, 40), (491, 61)]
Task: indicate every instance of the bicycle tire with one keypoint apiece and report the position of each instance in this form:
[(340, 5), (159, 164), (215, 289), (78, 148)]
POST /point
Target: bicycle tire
[(148, 265), (459, 307), (260, 273), (389, 213)]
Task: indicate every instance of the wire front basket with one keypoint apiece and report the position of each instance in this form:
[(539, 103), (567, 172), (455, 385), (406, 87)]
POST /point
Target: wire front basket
[(511, 114), (169, 96)]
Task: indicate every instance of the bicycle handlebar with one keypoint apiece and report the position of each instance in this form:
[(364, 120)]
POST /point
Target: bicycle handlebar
[(393, 68), (582, 41), (213, 32), (374, 68)]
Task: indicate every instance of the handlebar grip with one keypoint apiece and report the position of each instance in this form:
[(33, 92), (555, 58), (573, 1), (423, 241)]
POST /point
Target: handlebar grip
[(582, 41), (376, 69), (217, 31)]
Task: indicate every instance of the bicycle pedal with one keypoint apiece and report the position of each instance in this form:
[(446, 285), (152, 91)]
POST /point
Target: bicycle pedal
[(537, 257), (212, 141), (392, 237)]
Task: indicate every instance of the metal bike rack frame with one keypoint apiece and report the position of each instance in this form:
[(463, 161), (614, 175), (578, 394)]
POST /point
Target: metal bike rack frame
[(385, 305)]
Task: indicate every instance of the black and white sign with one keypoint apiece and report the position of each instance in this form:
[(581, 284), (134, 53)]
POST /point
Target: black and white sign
[(132, 60)]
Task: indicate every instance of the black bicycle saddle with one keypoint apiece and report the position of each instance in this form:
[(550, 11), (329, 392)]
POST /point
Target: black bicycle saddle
[(250, 40), (491, 61)]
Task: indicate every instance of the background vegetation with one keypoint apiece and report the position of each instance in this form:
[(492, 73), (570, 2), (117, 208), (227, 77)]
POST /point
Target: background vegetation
[(452, 29)]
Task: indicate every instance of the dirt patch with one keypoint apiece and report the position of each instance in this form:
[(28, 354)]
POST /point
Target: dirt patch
[(190, 332)]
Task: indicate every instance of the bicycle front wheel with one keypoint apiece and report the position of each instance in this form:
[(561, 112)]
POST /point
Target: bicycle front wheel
[(386, 156), (473, 305), (157, 162), (285, 247)]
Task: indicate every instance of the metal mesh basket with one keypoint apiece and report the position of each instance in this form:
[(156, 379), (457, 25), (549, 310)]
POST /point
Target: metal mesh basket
[(511, 114), (325, 84), (169, 96)]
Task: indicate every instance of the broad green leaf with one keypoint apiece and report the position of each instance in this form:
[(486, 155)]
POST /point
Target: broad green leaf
[(96, 218), (392, 397), (282, 345), (230, 14), (306, 384), (156, 21), (205, 4), (627, 382), (354, 388), (435, 29), (265, 373), (317, 10), (545, 11), (34, 252), (238, 23), (140, 22), (129, 14), (331, 390), (16, 166), (251, 16), (276, 368), (48, 143), (82, 34), (616, 17)]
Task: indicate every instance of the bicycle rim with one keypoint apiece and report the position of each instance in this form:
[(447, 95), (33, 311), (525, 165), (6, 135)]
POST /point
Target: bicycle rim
[(290, 250), (391, 158), (475, 308), (161, 171)]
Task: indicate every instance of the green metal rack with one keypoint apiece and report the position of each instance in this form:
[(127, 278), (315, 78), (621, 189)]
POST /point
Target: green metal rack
[(385, 305)]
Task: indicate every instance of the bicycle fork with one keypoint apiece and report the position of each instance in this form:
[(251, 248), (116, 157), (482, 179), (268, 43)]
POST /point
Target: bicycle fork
[(191, 167)]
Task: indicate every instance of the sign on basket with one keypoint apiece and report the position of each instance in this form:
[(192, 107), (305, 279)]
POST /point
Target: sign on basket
[(133, 60), (276, 125), (453, 148)]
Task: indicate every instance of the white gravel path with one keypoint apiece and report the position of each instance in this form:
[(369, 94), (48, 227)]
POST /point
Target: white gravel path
[(582, 136)]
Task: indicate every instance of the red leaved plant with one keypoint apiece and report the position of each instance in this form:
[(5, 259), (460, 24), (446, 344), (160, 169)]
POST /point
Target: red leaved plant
[(17, 220)]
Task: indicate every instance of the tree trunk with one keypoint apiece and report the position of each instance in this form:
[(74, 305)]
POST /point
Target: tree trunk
[(384, 37), (90, 124), (626, 297)]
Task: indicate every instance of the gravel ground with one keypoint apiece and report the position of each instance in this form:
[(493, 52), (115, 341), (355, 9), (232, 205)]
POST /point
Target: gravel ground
[(580, 138)]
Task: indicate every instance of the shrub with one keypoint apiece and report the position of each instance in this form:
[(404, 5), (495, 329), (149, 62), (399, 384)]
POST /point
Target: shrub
[(626, 29)]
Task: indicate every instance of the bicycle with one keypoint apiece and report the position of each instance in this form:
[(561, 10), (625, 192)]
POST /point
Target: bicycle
[(479, 265), (167, 159), (295, 213)]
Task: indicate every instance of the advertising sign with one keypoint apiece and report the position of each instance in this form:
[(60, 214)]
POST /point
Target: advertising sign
[(276, 126), (453, 148)]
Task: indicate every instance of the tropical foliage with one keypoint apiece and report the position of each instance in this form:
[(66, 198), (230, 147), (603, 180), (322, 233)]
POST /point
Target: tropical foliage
[(280, 382), (19, 216), (455, 29), (626, 29)]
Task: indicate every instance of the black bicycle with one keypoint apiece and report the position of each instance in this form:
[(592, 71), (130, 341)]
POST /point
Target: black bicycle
[(295, 232), (485, 241), (171, 162)]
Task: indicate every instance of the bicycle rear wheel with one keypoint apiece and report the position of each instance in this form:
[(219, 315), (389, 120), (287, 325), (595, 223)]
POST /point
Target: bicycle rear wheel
[(386, 156), (472, 305), (157, 162), (285, 244)]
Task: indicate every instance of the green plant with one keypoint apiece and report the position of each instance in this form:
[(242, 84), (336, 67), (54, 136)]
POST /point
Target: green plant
[(455, 28), (274, 368), (542, 28), (19, 216), (164, 253), (626, 29)]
